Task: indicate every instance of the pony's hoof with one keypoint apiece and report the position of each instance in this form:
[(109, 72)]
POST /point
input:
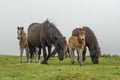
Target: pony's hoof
[(44, 62), (81, 64), (39, 61), (20, 61), (30, 62), (72, 62), (27, 61)]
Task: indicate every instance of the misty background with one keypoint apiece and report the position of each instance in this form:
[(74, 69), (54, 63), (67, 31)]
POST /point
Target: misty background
[(102, 16)]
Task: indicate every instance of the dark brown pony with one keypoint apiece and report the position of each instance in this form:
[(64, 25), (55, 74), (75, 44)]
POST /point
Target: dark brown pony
[(23, 44), (44, 35), (91, 43)]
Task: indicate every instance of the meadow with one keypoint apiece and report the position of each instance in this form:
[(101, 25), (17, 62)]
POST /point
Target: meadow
[(107, 69)]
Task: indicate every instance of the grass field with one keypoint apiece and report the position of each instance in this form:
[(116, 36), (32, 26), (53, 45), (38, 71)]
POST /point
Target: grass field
[(107, 69)]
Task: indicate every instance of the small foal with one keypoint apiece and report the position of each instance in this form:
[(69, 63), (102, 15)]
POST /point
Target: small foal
[(77, 43), (23, 44)]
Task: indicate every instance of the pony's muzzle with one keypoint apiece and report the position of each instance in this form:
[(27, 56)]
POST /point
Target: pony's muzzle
[(82, 39), (61, 58), (18, 38)]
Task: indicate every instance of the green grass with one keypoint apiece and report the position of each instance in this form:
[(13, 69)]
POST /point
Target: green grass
[(107, 69)]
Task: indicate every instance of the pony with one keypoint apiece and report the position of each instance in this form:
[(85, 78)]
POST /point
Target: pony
[(44, 35), (77, 43), (91, 43), (23, 44)]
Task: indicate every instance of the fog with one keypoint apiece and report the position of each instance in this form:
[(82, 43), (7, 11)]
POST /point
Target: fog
[(102, 16)]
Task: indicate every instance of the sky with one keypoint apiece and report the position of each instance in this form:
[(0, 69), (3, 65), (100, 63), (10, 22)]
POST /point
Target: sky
[(102, 16)]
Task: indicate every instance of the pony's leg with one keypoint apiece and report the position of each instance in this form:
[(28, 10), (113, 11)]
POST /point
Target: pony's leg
[(31, 55), (80, 57), (21, 54), (27, 55), (71, 55), (31, 50), (45, 56), (68, 52), (65, 54), (49, 51), (84, 53), (39, 53), (36, 55)]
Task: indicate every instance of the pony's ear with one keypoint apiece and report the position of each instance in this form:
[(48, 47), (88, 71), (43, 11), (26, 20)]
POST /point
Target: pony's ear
[(80, 29), (18, 27), (64, 37), (99, 47), (84, 29), (22, 28)]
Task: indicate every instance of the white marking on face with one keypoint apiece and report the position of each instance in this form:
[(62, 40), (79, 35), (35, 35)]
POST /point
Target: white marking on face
[(18, 31)]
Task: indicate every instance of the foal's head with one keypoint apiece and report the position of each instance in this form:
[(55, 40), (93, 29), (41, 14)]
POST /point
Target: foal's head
[(82, 33), (20, 32)]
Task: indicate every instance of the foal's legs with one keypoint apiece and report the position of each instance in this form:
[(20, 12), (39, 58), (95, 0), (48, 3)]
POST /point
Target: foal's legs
[(21, 54), (71, 54), (27, 55), (80, 57)]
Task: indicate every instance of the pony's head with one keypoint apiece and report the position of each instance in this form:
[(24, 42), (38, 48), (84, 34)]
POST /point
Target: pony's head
[(19, 32), (82, 33), (60, 47), (96, 53)]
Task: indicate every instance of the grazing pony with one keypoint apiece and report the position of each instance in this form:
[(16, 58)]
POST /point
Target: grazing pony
[(44, 35), (23, 44), (91, 43), (77, 43)]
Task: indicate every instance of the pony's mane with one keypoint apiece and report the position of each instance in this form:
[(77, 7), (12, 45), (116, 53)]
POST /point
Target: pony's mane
[(93, 35), (52, 29)]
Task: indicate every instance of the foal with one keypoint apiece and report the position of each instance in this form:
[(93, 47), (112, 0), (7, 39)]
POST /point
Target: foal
[(77, 43), (23, 44)]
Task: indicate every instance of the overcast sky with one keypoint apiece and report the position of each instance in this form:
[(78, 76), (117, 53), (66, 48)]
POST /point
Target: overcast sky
[(102, 16)]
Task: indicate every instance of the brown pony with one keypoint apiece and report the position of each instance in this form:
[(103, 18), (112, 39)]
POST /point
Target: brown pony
[(23, 44), (77, 43), (91, 43)]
